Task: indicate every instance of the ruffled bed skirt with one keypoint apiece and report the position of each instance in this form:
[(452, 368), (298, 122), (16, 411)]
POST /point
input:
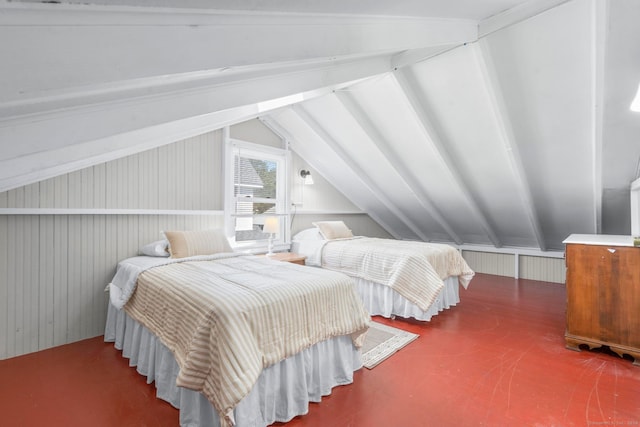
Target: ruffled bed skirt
[(282, 392), (381, 300)]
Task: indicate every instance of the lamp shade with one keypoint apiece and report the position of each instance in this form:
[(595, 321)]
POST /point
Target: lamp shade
[(271, 225), (635, 105)]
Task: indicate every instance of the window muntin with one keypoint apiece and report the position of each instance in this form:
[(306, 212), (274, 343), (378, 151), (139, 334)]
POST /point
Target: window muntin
[(257, 191)]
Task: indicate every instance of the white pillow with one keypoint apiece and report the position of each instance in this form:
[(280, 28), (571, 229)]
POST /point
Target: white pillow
[(157, 248), (333, 229), (308, 234), (191, 243)]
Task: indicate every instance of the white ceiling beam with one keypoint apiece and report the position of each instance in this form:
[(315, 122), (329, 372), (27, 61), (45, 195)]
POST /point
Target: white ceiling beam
[(518, 13), (423, 116), (410, 181), (273, 124), (353, 165), (413, 56), (514, 15), (67, 46), (60, 141), (501, 115)]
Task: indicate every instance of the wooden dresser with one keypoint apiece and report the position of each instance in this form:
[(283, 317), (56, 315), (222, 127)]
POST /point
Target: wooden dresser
[(603, 293)]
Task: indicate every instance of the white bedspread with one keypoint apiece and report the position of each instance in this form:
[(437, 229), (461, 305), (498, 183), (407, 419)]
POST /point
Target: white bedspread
[(227, 317), (416, 270), (124, 282)]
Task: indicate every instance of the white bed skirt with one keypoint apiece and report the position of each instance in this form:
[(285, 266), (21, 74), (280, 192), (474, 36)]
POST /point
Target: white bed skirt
[(282, 392), (381, 300)]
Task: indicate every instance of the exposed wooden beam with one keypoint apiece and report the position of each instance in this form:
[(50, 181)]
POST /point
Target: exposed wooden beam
[(501, 115), (410, 181), (273, 124), (364, 177), (423, 116)]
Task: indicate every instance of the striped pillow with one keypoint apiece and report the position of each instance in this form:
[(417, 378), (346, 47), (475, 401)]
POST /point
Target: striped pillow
[(190, 243)]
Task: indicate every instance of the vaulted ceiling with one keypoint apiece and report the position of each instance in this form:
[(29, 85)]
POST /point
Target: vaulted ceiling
[(497, 122)]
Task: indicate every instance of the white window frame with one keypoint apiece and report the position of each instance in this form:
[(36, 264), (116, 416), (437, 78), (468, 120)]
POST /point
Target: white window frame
[(282, 156)]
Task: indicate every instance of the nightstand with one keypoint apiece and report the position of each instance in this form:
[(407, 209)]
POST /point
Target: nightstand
[(289, 257)]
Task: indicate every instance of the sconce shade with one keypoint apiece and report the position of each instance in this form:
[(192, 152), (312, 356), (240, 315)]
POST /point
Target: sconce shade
[(306, 175), (271, 225), (635, 105)]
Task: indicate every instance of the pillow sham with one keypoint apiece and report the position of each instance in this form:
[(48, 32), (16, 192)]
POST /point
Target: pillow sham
[(308, 234), (191, 243), (158, 248), (333, 229)]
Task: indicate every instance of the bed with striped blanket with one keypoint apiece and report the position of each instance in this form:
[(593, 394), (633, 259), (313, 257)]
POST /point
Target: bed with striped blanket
[(227, 318), (393, 277)]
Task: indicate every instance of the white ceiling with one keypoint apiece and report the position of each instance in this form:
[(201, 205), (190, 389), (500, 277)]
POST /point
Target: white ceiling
[(506, 124), (475, 10)]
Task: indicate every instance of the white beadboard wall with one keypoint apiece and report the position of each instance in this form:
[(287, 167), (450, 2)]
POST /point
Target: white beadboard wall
[(54, 268), (530, 267), (544, 269), (490, 263), (360, 224)]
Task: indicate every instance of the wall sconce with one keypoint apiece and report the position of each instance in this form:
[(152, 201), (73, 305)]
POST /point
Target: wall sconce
[(271, 226), (306, 176)]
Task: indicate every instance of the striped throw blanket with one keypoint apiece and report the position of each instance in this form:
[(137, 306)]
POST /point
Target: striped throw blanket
[(413, 269), (225, 320)]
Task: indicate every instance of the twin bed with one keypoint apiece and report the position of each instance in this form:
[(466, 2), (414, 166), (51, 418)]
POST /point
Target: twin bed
[(244, 340), (392, 277)]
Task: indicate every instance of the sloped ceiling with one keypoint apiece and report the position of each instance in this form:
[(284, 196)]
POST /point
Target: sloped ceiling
[(493, 122)]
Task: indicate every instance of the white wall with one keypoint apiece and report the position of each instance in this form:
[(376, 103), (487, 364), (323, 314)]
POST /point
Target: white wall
[(54, 267)]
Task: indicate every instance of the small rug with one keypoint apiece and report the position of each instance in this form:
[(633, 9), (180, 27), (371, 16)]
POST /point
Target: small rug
[(382, 342)]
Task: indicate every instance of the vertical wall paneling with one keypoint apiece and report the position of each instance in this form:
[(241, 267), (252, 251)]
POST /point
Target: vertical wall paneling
[(60, 191), (15, 287), (46, 193), (490, 263), (46, 282), (97, 276), (4, 284), (110, 258), (110, 172), (540, 268), (60, 238), (172, 185), (54, 267), (74, 287), (163, 178), (360, 224), (98, 191), (87, 245), (32, 281)]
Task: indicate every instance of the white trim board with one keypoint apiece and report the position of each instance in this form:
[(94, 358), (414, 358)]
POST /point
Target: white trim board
[(71, 211)]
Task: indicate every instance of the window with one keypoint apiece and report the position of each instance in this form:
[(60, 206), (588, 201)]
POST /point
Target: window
[(255, 190)]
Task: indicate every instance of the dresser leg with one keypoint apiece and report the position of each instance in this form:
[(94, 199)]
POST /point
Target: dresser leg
[(572, 344), (622, 351)]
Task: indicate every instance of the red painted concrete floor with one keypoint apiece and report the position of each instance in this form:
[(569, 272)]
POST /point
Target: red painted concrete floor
[(497, 359)]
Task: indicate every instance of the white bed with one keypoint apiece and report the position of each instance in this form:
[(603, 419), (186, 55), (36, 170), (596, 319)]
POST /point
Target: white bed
[(334, 248), (235, 340), (279, 394)]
